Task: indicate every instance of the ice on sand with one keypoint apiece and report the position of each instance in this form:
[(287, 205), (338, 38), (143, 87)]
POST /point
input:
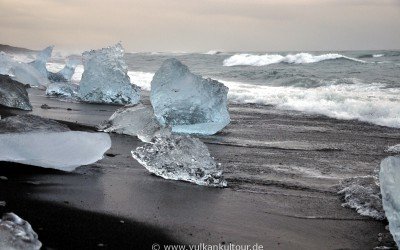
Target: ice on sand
[(13, 94), (179, 157), (135, 120), (17, 234), (105, 79), (187, 102), (66, 73), (40, 142), (389, 178), (41, 59), (62, 89)]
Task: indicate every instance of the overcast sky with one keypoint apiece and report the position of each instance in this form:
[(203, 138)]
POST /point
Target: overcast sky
[(202, 25)]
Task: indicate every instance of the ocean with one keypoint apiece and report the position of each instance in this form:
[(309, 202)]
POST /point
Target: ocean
[(361, 85)]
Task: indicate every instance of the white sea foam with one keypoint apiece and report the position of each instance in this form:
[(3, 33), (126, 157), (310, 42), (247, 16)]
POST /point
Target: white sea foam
[(378, 55), (267, 59), (212, 52), (365, 102)]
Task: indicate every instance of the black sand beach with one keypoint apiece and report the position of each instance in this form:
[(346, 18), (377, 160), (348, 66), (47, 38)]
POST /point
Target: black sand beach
[(116, 204)]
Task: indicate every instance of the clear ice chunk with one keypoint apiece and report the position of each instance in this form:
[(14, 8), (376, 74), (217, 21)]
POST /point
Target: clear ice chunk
[(24, 73), (60, 89), (44, 143), (138, 121), (389, 178), (187, 102), (180, 157), (17, 234), (13, 94), (105, 78), (41, 59)]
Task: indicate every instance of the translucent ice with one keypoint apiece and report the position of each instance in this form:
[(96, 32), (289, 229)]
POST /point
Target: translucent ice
[(105, 79), (17, 234), (137, 120), (41, 59), (179, 157), (25, 73), (13, 94), (188, 102), (66, 90), (41, 142), (66, 73), (389, 177)]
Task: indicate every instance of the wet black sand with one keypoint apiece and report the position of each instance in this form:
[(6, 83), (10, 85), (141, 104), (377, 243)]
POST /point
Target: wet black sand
[(84, 209)]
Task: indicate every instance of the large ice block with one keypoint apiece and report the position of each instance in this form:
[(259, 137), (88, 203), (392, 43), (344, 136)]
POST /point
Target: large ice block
[(180, 157), (13, 94), (105, 79), (389, 178), (17, 234), (138, 121), (35, 141), (188, 102)]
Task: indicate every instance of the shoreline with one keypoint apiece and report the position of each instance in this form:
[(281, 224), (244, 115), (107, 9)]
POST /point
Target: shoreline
[(302, 212)]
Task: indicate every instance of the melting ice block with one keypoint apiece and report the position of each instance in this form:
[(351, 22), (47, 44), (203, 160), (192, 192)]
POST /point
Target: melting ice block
[(17, 234), (13, 94), (138, 121), (179, 157), (41, 142), (105, 79), (188, 102), (389, 177)]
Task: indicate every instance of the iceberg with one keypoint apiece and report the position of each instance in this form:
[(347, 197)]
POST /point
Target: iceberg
[(180, 157), (389, 177), (35, 141), (41, 59), (66, 73), (13, 94), (65, 90), (138, 121), (187, 102), (17, 234), (105, 78)]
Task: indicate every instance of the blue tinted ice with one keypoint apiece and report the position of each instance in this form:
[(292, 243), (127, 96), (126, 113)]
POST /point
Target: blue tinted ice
[(389, 178), (188, 102), (105, 79)]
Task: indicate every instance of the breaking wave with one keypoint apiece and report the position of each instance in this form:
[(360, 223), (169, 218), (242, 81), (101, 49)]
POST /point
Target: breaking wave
[(267, 59)]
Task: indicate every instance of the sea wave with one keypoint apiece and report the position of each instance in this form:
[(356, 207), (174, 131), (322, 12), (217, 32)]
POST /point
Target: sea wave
[(373, 103), (267, 59)]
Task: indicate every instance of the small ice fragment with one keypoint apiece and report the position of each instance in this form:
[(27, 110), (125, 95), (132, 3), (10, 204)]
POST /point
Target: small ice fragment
[(136, 120), (393, 149), (3, 178), (179, 157), (13, 94), (17, 234), (105, 79), (389, 177), (188, 102), (3, 203)]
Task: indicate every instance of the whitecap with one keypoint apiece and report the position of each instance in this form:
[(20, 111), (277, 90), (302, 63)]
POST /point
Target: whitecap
[(267, 59)]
